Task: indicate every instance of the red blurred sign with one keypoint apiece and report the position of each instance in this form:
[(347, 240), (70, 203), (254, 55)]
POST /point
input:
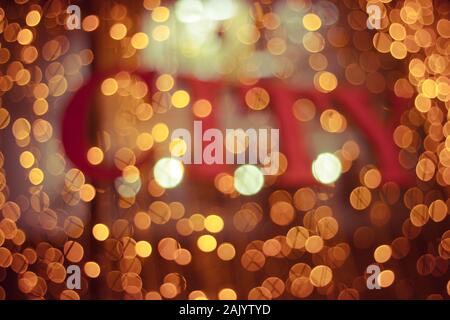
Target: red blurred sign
[(353, 102)]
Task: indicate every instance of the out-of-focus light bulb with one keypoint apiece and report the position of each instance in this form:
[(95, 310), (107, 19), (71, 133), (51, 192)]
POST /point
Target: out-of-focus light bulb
[(189, 11), (220, 9), (168, 172), (248, 180), (327, 168)]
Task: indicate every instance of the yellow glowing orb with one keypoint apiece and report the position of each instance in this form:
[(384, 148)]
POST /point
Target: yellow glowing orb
[(327, 168), (143, 249), (207, 243), (100, 232), (213, 223)]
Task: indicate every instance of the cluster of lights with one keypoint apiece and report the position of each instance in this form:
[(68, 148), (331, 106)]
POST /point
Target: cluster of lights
[(39, 69)]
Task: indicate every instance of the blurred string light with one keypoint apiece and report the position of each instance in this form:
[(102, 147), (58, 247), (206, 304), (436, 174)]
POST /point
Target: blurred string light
[(326, 168), (100, 232), (248, 180), (207, 243), (191, 11), (214, 223), (228, 35), (168, 172), (208, 29)]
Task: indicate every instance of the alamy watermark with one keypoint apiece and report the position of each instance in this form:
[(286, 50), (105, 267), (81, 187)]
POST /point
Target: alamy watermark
[(374, 19), (73, 280), (212, 147), (73, 20), (373, 280)]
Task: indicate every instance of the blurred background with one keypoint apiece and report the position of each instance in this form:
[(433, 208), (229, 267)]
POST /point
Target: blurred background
[(89, 174)]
